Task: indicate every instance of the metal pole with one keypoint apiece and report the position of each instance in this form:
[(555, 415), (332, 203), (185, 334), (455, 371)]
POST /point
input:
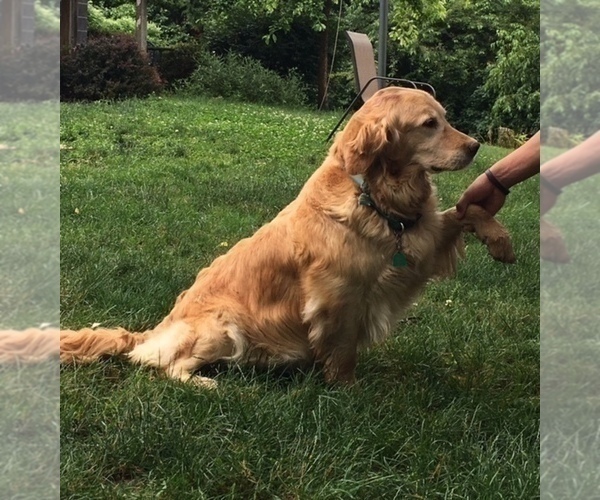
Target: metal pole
[(383, 33)]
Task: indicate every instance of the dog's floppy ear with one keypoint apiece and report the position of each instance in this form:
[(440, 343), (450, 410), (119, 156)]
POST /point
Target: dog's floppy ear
[(362, 144)]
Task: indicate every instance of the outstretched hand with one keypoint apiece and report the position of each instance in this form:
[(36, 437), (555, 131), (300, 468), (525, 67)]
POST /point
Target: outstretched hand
[(483, 193), (521, 164)]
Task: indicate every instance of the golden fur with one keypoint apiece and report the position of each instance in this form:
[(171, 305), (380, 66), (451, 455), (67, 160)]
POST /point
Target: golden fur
[(552, 245), (317, 282), (28, 346)]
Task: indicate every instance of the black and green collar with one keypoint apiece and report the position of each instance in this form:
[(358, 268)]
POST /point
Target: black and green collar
[(397, 224)]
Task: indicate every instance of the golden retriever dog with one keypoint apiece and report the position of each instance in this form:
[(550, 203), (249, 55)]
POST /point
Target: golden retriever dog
[(336, 268)]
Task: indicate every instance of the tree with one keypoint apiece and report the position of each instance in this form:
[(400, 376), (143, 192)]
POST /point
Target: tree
[(514, 80), (570, 65), (482, 58), (275, 17)]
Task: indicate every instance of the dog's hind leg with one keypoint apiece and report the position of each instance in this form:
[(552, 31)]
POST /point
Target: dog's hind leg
[(182, 349)]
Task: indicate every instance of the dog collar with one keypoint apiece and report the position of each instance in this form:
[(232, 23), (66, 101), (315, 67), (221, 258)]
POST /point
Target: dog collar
[(397, 224)]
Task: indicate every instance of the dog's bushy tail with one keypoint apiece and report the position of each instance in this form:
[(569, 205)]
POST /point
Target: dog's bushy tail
[(90, 344), (28, 346)]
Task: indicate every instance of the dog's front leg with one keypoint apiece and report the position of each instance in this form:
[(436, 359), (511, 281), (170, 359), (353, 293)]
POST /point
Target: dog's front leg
[(552, 245), (339, 364), (486, 228), (333, 338)]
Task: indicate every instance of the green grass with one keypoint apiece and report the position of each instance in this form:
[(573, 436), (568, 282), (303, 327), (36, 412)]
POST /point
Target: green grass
[(570, 348), (29, 275), (151, 192), (29, 227)]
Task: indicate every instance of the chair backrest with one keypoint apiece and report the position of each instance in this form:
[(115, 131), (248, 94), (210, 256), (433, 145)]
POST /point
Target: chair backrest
[(363, 59), (365, 75)]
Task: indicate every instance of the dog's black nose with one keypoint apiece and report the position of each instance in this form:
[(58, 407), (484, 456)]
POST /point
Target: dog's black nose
[(473, 147)]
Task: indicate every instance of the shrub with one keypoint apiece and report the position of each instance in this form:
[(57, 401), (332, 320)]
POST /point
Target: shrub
[(179, 62), (30, 73), (244, 79), (341, 89), (107, 68)]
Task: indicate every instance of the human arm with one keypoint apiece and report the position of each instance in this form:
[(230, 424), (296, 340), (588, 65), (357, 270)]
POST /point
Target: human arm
[(519, 165), (576, 164)]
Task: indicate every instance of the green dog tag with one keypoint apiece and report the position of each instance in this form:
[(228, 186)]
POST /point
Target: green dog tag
[(399, 260)]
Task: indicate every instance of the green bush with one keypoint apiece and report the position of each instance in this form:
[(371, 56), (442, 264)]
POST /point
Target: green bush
[(179, 62), (30, 73), (47, 19), (341, 89), (117, 20), (107, 68), (244, 79)]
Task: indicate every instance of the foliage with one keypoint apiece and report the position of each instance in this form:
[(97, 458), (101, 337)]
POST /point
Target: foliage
[(454, 44), (278, 15), (167, 19), (171, 17), (570, 66), (480, 55), (107, 68), (465, 49), (412, 22), (245, 79), (178, 62), (118, 20), (47, 19), (30, 73), (514, 80)]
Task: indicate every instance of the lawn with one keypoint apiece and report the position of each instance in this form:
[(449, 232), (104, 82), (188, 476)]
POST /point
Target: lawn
[(29, 295), (152, 191), (29, 231), (570, 348)]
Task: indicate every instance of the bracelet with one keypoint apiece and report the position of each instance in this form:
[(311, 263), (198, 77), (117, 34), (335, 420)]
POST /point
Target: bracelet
[(551, 187), (492, 178)]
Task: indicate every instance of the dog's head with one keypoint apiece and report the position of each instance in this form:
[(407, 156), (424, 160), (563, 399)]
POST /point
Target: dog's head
[(403, 128)]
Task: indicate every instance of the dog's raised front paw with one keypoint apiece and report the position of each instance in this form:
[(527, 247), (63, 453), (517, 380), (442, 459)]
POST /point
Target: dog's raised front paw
[(500, 248), (552, 245)]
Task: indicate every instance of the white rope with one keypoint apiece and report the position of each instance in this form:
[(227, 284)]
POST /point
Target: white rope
[(337, 33)]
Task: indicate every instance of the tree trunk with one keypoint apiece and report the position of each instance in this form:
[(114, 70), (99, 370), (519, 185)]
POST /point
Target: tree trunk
[(141, 25), (323, 68)]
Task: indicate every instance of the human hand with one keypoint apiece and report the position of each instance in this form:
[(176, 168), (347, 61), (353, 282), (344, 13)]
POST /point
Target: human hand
[(483, 193)]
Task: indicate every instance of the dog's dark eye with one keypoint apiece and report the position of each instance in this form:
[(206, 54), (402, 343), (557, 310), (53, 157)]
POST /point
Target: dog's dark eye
[(430, 123)]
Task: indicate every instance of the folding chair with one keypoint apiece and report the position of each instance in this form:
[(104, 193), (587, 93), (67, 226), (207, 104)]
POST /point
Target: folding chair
[(365, 74)]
